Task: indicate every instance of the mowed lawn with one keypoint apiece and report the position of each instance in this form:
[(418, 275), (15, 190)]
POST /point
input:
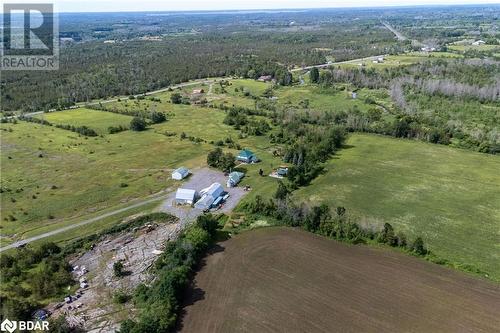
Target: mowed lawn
[(99, 121), (77, 176), (450, 197)]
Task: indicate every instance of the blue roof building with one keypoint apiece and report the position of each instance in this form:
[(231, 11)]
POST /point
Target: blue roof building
[(247, 156)]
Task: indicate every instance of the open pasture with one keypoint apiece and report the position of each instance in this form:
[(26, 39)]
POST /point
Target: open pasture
[(448, 196), (99, 121), (286, 280)]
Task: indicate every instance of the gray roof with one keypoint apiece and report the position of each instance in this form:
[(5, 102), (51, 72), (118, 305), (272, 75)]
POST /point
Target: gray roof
[(236, 176), (205, 202), (215, 190), (182, 170)]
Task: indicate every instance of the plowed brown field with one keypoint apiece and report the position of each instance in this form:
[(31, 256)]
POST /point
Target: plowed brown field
[(286, 280)]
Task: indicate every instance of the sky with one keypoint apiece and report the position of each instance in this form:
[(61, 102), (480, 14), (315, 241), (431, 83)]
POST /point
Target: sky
[(194, 5)]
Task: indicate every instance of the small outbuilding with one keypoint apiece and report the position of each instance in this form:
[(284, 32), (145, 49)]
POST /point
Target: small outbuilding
[(234, 178), (247, 156), (180, 173), (185, 196)]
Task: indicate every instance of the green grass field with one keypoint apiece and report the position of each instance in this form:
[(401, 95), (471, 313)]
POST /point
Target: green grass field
[(323, 99), (96, 120), (450, 197), (77, 176)]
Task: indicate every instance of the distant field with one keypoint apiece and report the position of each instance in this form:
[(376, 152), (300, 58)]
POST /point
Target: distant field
[(323, 99), (484, 47), (286, 280), (99, 121), (400, 60), (450, 197)]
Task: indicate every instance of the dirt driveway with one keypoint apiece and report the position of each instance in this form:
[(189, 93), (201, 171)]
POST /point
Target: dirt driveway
[(198, 180)]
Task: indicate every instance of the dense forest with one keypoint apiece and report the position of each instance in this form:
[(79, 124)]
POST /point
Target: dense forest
[(104, 55)]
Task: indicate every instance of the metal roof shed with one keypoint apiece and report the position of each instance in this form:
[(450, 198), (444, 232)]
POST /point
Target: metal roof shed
[(205, 202), (180, 173), (185, 196)]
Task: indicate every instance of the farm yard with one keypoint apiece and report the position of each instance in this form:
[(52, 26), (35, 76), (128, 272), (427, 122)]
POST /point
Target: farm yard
[(198, 180), (262, 281), (449, 196)]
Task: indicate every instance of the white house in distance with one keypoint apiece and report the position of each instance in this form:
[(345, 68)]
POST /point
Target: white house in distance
[(185, 196), (180, 173)]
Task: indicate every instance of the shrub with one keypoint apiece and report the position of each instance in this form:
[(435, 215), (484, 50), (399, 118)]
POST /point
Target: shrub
[(418, 247), (118, 269), (137, 124), (176, 98), (157, 117), (120, 297)]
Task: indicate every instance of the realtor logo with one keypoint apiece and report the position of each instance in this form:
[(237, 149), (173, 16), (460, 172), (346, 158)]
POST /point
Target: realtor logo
[(8, 326), (30, 37)]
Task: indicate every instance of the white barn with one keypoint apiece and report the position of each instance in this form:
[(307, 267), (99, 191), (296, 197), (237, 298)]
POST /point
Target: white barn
[(180, 173), (185, 196)]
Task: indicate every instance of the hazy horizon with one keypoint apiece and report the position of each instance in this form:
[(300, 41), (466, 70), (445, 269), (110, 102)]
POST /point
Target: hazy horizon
[(75, 6)]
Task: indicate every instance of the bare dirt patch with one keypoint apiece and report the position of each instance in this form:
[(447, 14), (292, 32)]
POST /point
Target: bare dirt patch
[(286, 280), (95, 308)]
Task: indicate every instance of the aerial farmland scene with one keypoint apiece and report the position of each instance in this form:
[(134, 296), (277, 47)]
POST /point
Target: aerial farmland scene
[(243, 166)]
